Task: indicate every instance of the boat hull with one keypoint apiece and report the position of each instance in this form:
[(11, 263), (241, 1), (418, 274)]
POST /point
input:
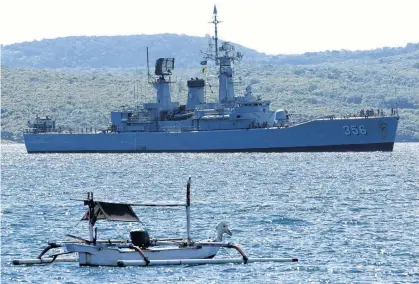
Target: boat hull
[(322, 135), (109, 256)]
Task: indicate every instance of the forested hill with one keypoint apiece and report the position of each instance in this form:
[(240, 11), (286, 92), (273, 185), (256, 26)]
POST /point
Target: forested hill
[(111, 51), (129, 52)]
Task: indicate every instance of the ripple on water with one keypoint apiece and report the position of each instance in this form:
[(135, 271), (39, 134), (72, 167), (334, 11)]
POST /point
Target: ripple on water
[(348, 217)]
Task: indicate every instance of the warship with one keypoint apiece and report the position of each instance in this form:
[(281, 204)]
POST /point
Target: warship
[(233, 124)]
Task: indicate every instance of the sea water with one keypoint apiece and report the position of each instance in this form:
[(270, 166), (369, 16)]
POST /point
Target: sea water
[(347, 217)]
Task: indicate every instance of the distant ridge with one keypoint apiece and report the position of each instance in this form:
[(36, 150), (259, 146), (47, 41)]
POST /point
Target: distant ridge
[(110, 51), (129, 52)]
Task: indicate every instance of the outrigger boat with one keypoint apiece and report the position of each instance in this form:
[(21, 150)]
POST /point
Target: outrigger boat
[(141, 250)]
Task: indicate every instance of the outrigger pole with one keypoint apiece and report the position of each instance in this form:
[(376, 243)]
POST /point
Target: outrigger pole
[(123, 263), (188, 206), (44, 260)]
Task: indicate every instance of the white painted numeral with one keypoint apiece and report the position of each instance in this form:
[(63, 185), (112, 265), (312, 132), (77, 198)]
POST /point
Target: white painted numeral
[(347, 130), (354, 130)]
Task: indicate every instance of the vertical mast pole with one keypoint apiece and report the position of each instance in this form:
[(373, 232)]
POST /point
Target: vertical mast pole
[(188, 216), (91, 213), (148, 68), (215, 22)]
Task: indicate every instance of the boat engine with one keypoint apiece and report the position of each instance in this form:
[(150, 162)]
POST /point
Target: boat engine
[(140, 238)]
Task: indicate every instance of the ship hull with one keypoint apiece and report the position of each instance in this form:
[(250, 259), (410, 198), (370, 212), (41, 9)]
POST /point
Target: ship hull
[(321, 135), (109, 255)]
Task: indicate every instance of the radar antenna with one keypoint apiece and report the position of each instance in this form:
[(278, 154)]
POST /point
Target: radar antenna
[(164, 67)]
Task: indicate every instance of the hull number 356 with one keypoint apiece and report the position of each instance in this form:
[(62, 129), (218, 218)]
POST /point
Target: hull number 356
[(354, 130)]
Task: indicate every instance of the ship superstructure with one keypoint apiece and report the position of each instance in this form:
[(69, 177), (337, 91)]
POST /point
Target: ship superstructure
[(234, 124)]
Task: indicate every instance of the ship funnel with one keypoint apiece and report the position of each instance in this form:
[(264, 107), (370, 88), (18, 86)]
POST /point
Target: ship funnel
[(164, 67), (195, 93)]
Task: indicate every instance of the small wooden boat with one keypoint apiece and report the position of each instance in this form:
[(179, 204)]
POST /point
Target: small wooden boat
[(141, 250)]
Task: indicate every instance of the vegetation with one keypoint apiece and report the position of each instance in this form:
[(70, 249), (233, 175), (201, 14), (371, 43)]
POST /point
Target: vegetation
[(110, 52), (80, 91)]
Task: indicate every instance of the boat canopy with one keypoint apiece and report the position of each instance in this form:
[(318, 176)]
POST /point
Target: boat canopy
[(112, 212)]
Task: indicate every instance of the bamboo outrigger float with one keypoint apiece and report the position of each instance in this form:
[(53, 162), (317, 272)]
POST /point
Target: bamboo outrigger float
[(140, 250)]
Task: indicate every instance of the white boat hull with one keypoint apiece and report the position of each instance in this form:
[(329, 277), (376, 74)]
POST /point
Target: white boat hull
[(109, 255)]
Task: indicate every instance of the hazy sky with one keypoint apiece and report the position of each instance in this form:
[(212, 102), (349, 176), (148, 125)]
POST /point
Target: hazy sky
[(270, 26)]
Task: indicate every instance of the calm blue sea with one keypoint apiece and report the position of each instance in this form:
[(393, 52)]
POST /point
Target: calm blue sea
[(348, 217)]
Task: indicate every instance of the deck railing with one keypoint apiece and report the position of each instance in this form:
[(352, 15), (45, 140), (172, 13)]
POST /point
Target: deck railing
[(68, 130), (178, 129)]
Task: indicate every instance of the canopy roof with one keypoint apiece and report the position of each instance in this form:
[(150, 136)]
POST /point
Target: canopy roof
[(112, 212)]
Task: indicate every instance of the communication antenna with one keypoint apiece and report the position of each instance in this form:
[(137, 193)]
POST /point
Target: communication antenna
[(135, 97), (136, 86), (179, 86), (148, 67), (216, 22)]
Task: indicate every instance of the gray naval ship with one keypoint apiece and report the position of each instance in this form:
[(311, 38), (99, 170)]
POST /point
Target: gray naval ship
[(234, 124)]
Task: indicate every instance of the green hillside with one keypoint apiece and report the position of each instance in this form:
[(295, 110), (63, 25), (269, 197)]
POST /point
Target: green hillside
[(308, 85)]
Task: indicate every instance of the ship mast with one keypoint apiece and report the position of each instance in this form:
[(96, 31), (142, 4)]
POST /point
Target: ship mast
[(225, 60), (215, 22)]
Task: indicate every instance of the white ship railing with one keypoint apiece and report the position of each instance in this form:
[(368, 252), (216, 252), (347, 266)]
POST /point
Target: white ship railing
[(89, 130), (179, 129)]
